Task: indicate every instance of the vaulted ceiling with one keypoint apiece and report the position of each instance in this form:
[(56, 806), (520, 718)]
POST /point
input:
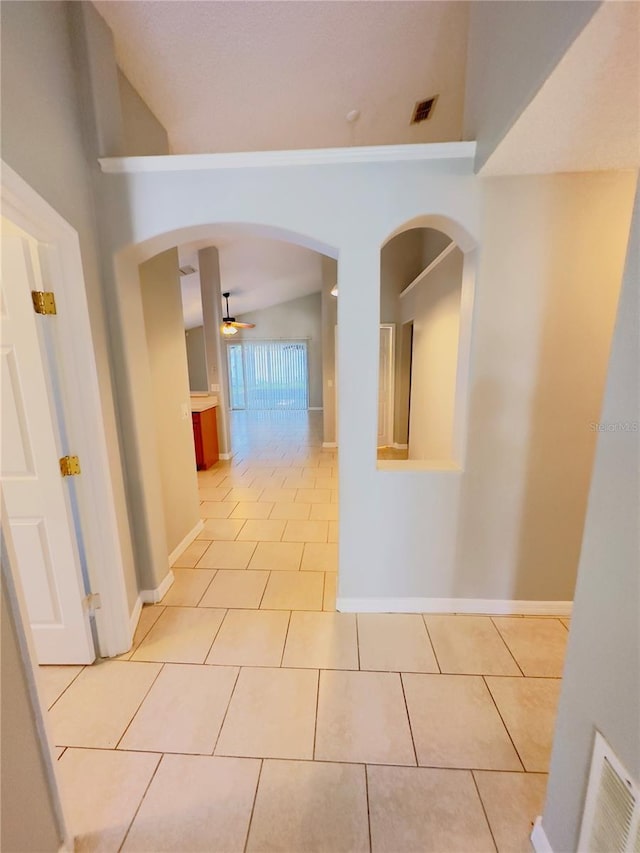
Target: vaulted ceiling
[(258, 272), (254, 75)]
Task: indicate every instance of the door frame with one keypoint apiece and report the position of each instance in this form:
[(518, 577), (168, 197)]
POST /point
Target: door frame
[(392, 382), (23, 206)]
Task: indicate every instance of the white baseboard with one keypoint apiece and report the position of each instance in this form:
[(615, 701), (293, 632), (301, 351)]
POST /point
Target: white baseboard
[(397, 446), (315, 409), (152, 596), (188, 539), (539, 838), (329, 444), (225, 456), (485, 606), (135, 617)]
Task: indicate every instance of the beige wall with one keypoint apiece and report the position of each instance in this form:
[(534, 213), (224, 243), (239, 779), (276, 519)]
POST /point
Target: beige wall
[(295, 319), (196, 359), (215, 348), (31, 817), (548, 284), (512, 49), (162, 306), (434, 307), (601, 685), (143, 133)]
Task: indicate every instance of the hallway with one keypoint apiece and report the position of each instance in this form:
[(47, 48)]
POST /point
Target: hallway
[(249, 715)]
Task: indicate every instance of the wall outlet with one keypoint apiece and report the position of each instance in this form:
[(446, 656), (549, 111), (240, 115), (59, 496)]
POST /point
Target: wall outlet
[(184, 410), (215, 388)]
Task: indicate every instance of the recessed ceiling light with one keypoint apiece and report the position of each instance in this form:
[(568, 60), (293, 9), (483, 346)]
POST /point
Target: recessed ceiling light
[(353, 115), (187, 269)]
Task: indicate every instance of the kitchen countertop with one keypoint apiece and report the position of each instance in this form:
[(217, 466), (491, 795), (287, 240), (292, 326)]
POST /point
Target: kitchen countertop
[(201, 404)]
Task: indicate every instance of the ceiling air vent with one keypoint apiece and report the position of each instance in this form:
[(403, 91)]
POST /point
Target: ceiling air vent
[(187, 269), (423, 110), (611, 819)]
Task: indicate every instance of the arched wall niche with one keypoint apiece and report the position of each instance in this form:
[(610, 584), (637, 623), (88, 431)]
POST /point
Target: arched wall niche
[(461, 236), (426, 314)]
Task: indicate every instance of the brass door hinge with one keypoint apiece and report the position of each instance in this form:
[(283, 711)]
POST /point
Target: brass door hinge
[(69, 466), (44, 302)]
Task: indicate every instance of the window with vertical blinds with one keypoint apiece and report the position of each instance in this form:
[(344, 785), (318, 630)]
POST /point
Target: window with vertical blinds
[(268, 375)]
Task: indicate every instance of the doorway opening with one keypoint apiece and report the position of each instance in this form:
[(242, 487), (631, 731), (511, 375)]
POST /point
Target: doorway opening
[(268, 375), (253, 372)]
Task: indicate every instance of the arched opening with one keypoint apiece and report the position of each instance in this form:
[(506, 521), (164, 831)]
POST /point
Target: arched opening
[(264, 497), (427, 272)]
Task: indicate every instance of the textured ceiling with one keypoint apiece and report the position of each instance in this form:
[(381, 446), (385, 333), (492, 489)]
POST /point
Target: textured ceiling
[(258, 273), (252, 76), (586, 116)]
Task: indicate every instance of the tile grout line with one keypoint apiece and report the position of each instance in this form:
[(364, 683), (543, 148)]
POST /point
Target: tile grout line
[(366, 791), (226, 711), (286, 636), (215, 636), (486, 683), (57, 699), (253, 805), (141, 703), (264, 591), (146, 790), (315, 719), (431, 643), (406, 708), (482, 806), (213, 577), (306, 760), (507, 646)]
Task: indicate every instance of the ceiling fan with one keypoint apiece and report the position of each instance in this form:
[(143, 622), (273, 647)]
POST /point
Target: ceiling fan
[(229, 325)]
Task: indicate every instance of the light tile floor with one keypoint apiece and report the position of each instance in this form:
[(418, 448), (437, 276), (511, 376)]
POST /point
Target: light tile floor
[(249, 715)]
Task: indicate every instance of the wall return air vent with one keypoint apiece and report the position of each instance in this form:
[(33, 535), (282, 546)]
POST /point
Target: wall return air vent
[(423, 110), (611, 819)]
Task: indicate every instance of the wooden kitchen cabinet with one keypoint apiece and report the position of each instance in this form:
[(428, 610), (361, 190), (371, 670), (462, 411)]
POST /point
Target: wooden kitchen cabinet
[(205, 438)]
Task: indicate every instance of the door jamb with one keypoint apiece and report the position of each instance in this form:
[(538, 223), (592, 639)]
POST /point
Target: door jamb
[(389, 426), (23, 206)]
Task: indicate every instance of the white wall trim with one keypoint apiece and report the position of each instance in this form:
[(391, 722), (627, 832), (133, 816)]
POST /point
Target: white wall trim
[(153, 596), (486, 606), (135, 617), (539, 838), (225, 456), (304, 157), (314, 409), (329, 444), (425, 272), (184, 543), (397, 446)]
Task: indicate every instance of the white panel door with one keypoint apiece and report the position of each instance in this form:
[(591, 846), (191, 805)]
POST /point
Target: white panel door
[(37, 504), (386, 386)]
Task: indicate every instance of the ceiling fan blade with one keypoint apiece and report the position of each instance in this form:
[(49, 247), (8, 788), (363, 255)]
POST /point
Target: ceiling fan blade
[(242, 325)]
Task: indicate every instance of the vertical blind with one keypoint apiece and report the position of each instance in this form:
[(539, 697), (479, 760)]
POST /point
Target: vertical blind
[(269, 375)]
